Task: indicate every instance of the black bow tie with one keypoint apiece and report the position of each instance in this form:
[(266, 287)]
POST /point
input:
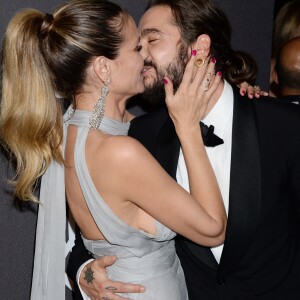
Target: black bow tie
[(209, 138)]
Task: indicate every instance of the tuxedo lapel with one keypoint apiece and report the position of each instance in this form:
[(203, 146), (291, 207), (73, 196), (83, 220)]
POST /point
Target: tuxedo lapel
[(167, 147), (245, 184)]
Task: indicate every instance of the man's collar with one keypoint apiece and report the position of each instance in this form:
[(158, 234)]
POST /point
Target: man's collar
[(222, 111)]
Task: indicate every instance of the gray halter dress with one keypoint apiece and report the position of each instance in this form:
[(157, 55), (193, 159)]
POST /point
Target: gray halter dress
[(142, 258)]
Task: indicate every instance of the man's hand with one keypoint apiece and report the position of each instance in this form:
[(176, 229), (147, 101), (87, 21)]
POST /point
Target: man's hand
[(95, 283)]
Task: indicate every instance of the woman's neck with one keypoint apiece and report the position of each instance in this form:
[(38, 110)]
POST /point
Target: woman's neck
[(115, 107)]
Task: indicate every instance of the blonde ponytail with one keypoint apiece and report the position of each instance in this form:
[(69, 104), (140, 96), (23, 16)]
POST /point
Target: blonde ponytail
[(31, 118), (44, 53)]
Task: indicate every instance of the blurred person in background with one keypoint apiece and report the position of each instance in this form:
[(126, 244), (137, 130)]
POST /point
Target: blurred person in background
[(287, 71), (286, 27)]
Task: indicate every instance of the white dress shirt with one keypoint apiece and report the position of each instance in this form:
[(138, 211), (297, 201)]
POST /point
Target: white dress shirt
[(220, 156)]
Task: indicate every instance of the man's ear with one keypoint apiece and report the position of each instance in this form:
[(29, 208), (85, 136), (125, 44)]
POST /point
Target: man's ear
[(202, 45), (101, 68)]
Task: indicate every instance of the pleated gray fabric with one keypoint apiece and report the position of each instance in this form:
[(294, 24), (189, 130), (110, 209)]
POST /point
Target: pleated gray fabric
[(143, 258)]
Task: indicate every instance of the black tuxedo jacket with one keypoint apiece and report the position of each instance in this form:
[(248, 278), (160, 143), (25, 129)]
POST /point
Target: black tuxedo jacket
[(261, 255)]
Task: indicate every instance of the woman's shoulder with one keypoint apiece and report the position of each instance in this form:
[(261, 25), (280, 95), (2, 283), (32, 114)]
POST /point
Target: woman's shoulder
[(121, 149)]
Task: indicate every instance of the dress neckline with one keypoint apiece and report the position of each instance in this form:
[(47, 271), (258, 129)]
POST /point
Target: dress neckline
[(108, 125)]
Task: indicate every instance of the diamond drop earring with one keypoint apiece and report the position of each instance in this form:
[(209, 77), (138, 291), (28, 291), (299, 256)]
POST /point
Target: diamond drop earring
[(99, 108)]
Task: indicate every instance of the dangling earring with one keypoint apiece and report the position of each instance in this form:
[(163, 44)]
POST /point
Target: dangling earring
[(199, 62), (99, 108)]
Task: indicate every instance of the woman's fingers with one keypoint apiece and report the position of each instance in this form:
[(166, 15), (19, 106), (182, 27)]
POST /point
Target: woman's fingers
[(251, 91), (204, 75), (258, 92), (169, 91), (188, 73), (189, 103), (243, 88), (214, 84)]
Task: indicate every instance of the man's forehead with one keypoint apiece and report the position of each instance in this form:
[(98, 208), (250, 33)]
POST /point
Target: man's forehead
[(157, 19), (156, 15)]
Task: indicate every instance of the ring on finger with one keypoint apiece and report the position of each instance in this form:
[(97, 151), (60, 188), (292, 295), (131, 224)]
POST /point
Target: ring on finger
[(257, 89), (205, 84), (199, 62)]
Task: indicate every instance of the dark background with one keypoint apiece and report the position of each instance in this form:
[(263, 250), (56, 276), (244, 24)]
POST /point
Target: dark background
[(251, 22)]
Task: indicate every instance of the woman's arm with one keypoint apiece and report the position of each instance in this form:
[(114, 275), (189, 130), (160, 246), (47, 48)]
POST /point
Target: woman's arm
[(200, 216)]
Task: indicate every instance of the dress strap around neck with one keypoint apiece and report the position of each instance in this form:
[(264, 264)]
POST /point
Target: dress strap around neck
[(108, 125)]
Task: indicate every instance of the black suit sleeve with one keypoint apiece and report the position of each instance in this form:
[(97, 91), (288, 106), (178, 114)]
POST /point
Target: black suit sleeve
[(78, 256)]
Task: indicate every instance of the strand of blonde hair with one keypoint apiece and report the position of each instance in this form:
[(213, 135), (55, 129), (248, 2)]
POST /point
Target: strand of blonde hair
[(31, 118)]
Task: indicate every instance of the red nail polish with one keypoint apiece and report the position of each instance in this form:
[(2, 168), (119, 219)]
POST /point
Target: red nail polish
[(165, 81), (219, 73), (243, 92), (251, 94), (213, 60), (194, 52)]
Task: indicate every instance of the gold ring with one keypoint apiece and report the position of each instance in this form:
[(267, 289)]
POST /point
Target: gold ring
[(199, 62), (205, 84)]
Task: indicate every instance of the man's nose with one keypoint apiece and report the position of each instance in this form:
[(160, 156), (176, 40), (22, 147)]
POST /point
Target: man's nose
[(145, 54)]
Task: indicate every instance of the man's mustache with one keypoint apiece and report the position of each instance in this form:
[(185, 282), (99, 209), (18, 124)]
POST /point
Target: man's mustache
[(148, 63)]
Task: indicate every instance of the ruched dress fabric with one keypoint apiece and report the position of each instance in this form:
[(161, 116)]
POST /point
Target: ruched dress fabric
[(142, 258)]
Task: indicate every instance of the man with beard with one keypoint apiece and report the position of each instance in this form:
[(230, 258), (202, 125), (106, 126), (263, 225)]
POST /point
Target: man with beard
[(257, 165)]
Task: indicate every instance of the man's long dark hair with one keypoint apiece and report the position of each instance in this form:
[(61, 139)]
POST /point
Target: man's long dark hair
[(196, 17)]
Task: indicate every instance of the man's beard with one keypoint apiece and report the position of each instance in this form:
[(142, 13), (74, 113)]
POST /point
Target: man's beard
[(154, 95)]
